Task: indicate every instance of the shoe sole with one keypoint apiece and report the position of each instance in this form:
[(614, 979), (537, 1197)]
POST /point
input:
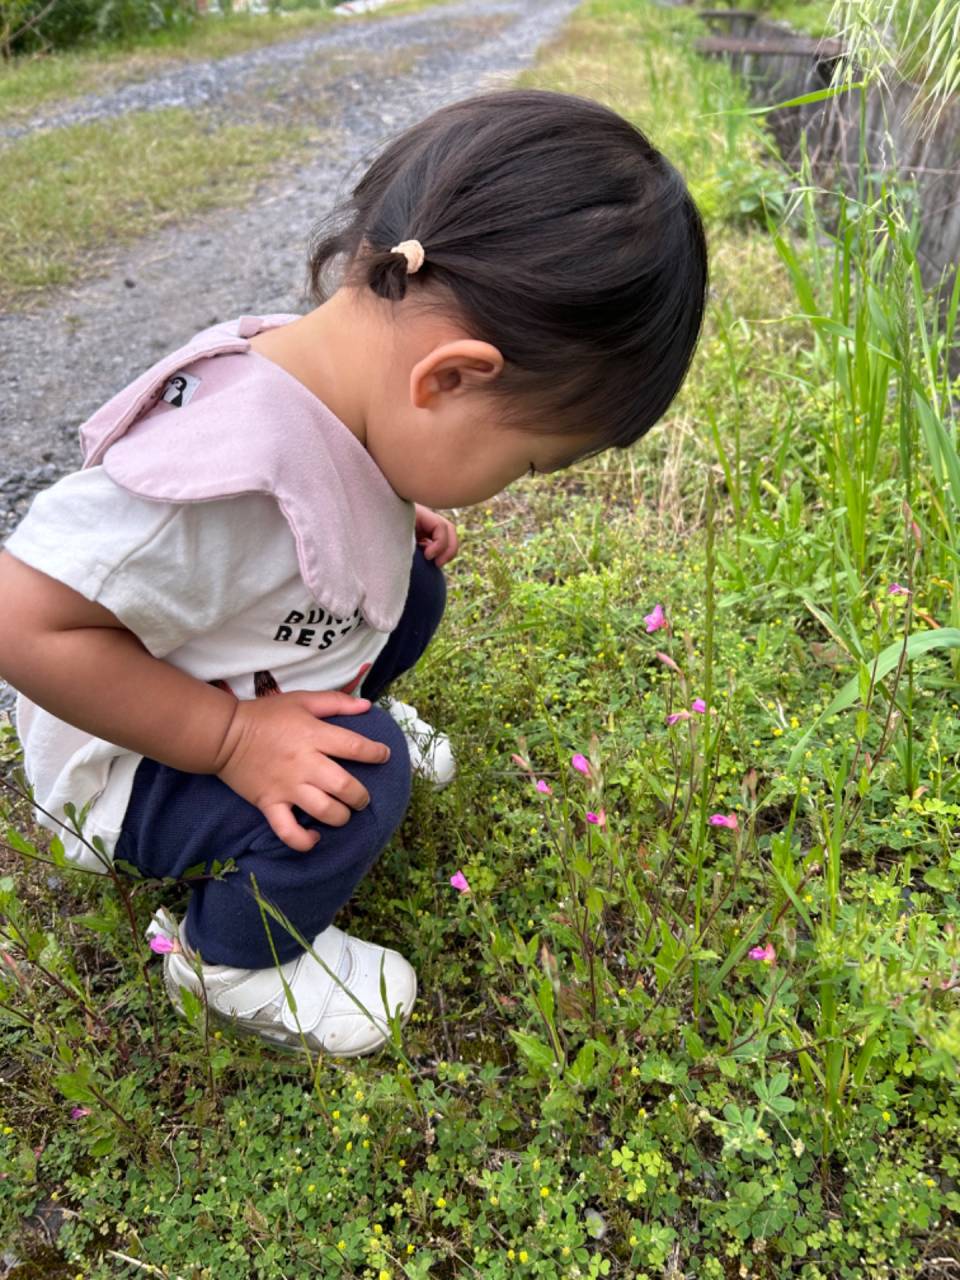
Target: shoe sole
[(292, 1047)]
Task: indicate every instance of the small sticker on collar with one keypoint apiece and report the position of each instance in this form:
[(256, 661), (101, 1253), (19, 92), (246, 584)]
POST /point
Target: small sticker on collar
[(179, 389)]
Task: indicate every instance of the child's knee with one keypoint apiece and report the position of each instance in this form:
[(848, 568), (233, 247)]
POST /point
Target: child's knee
[(388, 784), (428, 587)]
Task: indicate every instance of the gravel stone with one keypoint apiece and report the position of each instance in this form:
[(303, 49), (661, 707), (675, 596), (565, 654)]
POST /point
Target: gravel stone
[(67, 353)]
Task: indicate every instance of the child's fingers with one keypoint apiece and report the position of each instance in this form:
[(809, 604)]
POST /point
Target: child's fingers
[(322, 806), (288, 829), (330, 703), (344, 744), (445, 544), (334, 782), (449, 551)]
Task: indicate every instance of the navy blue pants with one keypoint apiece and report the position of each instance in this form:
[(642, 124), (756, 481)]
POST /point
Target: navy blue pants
[(176, 821)]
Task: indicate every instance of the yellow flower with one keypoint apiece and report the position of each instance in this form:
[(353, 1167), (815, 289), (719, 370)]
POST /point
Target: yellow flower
[(633, 1239), (536, 1163), (377, 1229), (565, 1251), (511, 1255), (335, 1114), (409, 1248), (440, 1202), (384, 1275), (312, 1187), (341, 1244), (544, 1191), (348, 1147), (402, 1163), (524, 1256)]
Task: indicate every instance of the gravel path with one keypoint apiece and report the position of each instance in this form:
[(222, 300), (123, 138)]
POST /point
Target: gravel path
[(63, 359)]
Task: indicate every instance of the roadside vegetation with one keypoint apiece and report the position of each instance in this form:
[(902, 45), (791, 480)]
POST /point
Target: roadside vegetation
[(686, 923)]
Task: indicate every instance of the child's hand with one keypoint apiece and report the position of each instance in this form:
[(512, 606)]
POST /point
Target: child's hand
[(276, 754), (437, 535)]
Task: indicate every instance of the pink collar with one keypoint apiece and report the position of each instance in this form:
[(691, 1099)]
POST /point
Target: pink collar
[(193, 428)]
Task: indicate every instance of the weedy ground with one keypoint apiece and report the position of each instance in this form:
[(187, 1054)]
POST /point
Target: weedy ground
[(697, 1012)]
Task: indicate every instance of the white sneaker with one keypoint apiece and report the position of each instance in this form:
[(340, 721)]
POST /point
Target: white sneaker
[(330, 1020), (431, 754)]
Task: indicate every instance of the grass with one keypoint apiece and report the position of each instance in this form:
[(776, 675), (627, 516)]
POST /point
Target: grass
[(599, 1078)]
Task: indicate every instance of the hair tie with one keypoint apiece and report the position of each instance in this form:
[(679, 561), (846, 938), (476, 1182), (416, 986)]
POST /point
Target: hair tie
[(412, 250)]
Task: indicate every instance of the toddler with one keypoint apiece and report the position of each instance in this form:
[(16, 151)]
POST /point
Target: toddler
[(202, 622)]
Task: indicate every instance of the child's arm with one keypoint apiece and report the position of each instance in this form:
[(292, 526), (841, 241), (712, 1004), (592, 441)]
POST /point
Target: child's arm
[(76, 660)]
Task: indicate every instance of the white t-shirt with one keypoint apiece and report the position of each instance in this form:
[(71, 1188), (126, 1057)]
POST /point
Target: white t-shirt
[(214, 588)]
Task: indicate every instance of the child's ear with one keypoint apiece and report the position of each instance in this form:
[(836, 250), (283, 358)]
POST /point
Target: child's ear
[(452, 369)]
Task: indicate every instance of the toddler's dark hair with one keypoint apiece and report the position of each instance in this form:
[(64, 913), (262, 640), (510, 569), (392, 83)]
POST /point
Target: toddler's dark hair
[(559, 234)]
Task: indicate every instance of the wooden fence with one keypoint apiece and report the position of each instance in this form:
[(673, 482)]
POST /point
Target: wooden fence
[(779, 65)]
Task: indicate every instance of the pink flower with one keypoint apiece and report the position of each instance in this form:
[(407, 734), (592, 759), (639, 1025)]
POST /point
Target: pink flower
[(598, 819), (77, 1113), (162, 945), (699, 706), (678, 715), (544, 787), (728, 820), (656, 620), (459, 881), (895, 589), (766, 954), (668, 661), (581, 764)]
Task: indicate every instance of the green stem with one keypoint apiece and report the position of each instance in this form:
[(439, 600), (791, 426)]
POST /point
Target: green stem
[(708, 736)]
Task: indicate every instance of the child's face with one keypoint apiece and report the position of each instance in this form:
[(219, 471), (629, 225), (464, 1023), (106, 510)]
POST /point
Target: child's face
[(438, 432), (465, 458)]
